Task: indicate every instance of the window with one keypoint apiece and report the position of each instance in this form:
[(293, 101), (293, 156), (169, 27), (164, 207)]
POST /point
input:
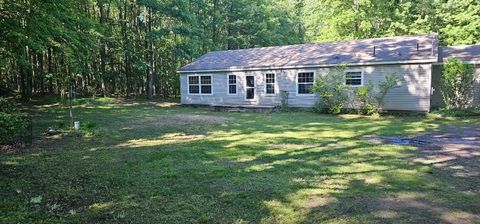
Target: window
[(193, 85), (353, 78), (232, 84), (305, 82), (270, 83), (200, 84)]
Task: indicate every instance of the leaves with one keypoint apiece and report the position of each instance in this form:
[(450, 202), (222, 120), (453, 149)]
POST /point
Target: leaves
[(331, 90), (36, 200), (457, 84), (456, 21), (109, 46), (371, 98)]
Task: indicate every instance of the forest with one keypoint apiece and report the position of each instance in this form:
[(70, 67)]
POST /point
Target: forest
[(134, 47)]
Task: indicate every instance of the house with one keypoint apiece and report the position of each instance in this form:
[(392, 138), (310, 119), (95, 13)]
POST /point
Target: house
[(255, 77)]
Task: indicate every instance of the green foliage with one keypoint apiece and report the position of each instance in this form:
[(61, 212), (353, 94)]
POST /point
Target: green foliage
[(372, 98), (283, 100), (456, 21), (365, 97), (391, 81), (142, 168), (468, 112), (457, 84), (129, 47), (13, 123), (7, 106), (89, 129), (331, 90), (459, 22), (133, 47)]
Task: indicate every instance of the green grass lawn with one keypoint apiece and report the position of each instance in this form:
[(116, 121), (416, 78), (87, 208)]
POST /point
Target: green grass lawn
[(157, 162)]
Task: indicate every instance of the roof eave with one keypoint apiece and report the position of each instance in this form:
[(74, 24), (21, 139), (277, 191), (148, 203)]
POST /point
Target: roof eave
[(476, 62), (422, 61)]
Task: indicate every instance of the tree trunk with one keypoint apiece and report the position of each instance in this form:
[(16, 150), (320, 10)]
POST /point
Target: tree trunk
[(102, 51), (151, 57)]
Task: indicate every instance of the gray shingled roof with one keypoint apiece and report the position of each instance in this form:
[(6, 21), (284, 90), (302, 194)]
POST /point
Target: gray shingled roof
[(391, 49), (468, 53)]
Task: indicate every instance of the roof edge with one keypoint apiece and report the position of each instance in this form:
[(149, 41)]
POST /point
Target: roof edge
[(310, 66), (463, 46), (474, 62)]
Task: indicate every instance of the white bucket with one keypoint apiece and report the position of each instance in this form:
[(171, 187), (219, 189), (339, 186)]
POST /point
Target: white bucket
[(76, 125)]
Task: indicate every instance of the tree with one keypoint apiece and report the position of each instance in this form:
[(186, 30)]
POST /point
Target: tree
[(134, 47), (331, 90), (128, 47), (460, 22), (456, 21), (372, 98), (457, 84)]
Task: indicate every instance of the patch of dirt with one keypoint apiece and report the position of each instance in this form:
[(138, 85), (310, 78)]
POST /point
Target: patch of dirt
[(174, 121), (13, 148), (413, 207), (416, 204), (456, 148), (164, 140), (318, 201)]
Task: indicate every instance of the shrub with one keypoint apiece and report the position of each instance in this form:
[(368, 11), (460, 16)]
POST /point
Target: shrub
[(469, 112), (332, 92), (7, 106), (364, 95), (457, 84), (283, 100), (89, 129), (372, 99), (390, 82), (13, 123)]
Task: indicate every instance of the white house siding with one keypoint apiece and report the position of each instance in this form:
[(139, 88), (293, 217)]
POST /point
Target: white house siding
[(412, 95), (437, 99)]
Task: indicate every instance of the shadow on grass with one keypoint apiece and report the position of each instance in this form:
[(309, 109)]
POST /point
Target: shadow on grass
[(278, 168)]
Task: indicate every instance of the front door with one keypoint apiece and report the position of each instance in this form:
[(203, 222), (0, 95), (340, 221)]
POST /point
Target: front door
[(250, 87)]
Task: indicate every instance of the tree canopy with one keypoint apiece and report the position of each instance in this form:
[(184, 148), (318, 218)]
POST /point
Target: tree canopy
[(134, 47)]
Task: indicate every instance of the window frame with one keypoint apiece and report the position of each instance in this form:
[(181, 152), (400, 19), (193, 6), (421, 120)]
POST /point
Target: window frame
[(274, 83), (230, 84), (200, 85), (362, 81), (296, 82)]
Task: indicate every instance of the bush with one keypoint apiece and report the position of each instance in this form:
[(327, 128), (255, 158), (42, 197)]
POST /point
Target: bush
[(283, 100), (469, 112), (364, 95), (7, 106), (331, 89), (457, 84), (334, 93), (372, 99), (13, 123), (89, 129)]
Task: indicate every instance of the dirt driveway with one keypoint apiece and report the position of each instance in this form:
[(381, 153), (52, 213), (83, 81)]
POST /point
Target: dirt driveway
[(455, 148)]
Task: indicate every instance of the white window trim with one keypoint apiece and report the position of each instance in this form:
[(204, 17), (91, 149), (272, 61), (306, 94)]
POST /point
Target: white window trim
[(274, 84), (199, 85), (228, 85), (296, 82), (362, 81), (254, 88)]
